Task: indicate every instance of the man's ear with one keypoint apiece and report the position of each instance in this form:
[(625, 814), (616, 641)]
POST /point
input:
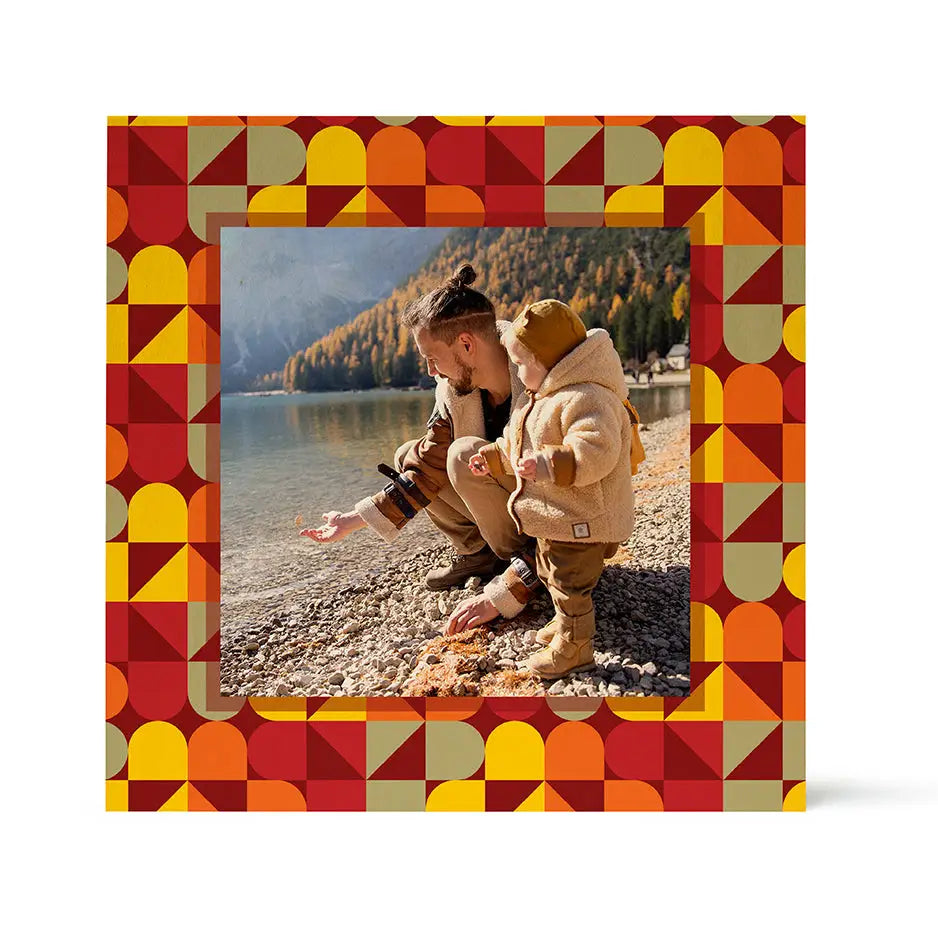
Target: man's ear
[(467, 341)]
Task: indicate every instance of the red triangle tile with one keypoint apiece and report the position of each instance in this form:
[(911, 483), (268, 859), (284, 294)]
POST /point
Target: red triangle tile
[(323, 203), (764, 524), (145, 322), (210, 413), (586, 167), (764, 441), (764, 286), (229, 168), (158, 156), (681, 203), (151, 795), (169, 623), (407, 761), (693, 750), (225, 795), (764, 203), (210, 651), (764, 679), (337, 748), (507, 795), (764, 762), (210, 553), (158, 393), (581, 795), (408, 203), (144, 561), (514, 156)]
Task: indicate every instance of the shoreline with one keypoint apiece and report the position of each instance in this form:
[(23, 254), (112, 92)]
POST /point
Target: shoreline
[(666, 379)]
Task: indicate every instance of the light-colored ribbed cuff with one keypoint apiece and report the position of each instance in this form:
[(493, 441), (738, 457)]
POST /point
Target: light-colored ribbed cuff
[(501, 598), (372, 516)]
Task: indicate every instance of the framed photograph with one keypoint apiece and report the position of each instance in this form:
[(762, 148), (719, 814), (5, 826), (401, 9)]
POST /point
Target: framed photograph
[(295, 302)]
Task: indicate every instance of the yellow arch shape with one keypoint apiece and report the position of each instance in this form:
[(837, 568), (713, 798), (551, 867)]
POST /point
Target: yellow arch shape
[(157, 512), (157, 274), (157, 750), (793, 333), (457, 795), (693, 157), (636, 200), (706, 633), (278, 200), (336, 157), (793, 572), (706, 395), (514, 750)]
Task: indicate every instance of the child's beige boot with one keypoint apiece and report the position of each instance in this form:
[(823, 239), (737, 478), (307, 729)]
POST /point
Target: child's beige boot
[(545, 634), (570, 649)]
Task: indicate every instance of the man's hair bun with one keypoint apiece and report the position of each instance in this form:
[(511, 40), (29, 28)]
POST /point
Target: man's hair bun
[(465, 274)]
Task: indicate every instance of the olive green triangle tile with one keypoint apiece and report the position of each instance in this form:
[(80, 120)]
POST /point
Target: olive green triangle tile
[(740, 738), (385, 737), (205, 143), (561, 144), (740, 262), (741, 499)]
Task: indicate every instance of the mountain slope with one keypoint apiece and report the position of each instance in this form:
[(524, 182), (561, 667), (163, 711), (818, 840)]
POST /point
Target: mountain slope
[(631, 281), (283, 288)]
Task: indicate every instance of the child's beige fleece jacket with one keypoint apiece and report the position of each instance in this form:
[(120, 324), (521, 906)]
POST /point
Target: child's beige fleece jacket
[(578, 425)]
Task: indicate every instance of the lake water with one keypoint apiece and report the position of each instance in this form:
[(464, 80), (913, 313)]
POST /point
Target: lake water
[(289, 454)]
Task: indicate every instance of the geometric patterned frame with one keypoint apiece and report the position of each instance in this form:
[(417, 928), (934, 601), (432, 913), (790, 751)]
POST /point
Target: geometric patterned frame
[(735, 743)]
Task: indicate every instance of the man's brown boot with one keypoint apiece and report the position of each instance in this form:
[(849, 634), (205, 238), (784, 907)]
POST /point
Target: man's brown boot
[(570, 649), (483, 563)]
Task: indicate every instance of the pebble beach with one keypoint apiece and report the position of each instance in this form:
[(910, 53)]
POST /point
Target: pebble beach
[(379, 633)]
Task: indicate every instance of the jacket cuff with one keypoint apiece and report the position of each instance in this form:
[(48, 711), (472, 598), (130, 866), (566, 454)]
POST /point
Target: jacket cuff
[(372, 516), (497, 592), (493, 458), (562, 464)]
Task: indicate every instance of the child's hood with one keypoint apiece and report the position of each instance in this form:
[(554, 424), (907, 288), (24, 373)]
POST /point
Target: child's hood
[(594, 361)]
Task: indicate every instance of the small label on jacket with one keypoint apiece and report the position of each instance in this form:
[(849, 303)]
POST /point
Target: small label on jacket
[(581, 530)]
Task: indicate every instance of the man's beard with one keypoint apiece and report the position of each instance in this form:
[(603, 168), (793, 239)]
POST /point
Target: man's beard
[(463, 383)]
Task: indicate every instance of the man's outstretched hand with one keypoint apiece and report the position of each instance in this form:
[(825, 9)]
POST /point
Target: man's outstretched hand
[(337, 525), (470, 613)]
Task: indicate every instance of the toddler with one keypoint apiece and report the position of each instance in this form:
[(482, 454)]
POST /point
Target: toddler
[(567, 442)]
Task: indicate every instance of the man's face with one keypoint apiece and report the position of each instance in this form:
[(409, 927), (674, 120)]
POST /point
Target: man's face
[(447, 361)]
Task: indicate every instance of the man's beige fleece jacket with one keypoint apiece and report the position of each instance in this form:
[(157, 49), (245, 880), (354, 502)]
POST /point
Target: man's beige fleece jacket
[(578, 426)]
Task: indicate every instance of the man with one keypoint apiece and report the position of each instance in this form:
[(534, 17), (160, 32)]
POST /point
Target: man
[(456, 331)]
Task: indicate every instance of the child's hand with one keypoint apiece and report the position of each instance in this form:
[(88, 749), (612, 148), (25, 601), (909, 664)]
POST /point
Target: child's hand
[(478, 465), (526, 467)]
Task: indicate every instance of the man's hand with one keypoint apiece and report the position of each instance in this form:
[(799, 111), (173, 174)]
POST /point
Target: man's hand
[(337, 526), (478, 465), (470, 613), (526, 467)]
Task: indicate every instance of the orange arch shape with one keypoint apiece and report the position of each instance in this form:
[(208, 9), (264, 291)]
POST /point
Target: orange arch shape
[(117, 214), (205, 513), (205, 276), (274, 795), (752, 632), (630, 795), (116, 452), (218, 751), (115, 691), (454, 205), (396, 157), (752, 394), (574, 751), (752, 157)]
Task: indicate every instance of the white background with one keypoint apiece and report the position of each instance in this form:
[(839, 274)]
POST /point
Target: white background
[(857, 862)]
